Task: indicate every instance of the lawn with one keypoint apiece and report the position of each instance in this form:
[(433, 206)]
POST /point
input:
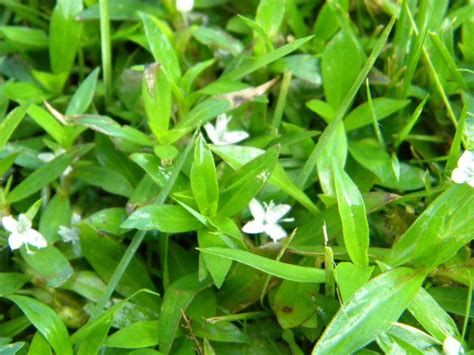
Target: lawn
[(236, 177)]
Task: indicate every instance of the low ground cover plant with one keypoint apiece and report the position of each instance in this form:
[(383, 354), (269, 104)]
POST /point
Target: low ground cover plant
[(220, 177)]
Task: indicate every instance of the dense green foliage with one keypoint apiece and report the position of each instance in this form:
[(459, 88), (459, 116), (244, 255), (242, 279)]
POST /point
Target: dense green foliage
[(265, 177)]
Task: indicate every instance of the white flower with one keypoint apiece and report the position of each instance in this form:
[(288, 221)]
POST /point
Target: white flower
[(71, 234), (452, 346), (22, 233), (184, 5), (220, 135), (47, 157), (465, 170), (266, 218)]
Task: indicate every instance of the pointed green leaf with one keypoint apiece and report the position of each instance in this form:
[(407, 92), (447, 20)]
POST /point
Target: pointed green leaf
[(47, 322), (370, 312), (355, 226), (272, 267)]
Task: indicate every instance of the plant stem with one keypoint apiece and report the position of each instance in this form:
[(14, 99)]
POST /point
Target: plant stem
[(106, 50), (139, 236), (281, 103)]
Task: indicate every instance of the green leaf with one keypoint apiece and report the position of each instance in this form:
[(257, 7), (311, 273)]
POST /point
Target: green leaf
[(246, 182), (217, 39), (237, 156), (177, 298), (322, 109), (432, 316), (6, 162), (25, 38), (57, 213), (87, 284), (368, 153), (40, 177), (109, 220), (64, 34), (217, 267), (204, 179), (200, 114), (350, 278), (453, 299), (370, 312), (270, 15), (46, 121), (50, 264), (138, 335), (91, 336), (84, 94), (104, 253), (441, 230), (338, 73), (355, 226), (161, 48), (10, 282), (95, 338), (253, 64), (258, 30), (156, 92), (327, 23), (333, 152), (152, 166), (330, 132), (39, 345), (294, 303), (383, 107), (107, 179), (165, 218), (272, 267), (109, 127), (46, 321), (191, 75), (10, 123)]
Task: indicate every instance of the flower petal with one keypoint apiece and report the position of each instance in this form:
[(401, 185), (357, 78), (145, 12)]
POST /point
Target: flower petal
[(235, 136), (275, 232), (184, 5), (276, 212), (24, 222), (466, 161), (257, 210), (459, 176), (46, 157), (452, 346), (33, 237), (15, 241), (10, 224), (254, 227), (211, 133), (222, 122)]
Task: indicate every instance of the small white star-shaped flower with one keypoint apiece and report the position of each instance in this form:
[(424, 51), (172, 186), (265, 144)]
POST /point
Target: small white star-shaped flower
[(267, 218), (48, 156), (21, 233), (465, 170), (220, 134), (184, 5), (452, 346)]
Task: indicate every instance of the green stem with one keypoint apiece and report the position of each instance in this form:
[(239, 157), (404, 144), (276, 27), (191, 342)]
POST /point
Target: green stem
[(139, 236), (106, 48), (310, 164), (117, 275), (281, 103)]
